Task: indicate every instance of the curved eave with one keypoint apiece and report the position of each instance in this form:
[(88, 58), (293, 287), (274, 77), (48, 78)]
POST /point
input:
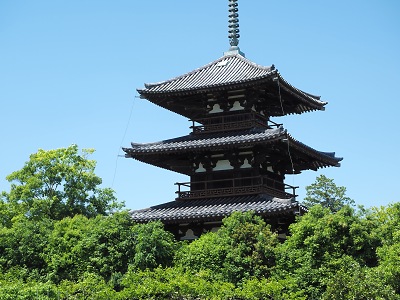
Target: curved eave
[(224, 74), (159, 153), (162, 165), (164, 154), (214, 142), (305, 101), (322, 159), (222, 86), (313, 102)]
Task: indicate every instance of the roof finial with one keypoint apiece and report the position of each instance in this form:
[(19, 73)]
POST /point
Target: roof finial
[(233, 28)]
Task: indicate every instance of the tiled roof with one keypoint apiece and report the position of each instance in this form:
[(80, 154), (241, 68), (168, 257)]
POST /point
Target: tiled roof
[(204, 141), (215, 209), (226, 140), (232, 69), (329, 157)]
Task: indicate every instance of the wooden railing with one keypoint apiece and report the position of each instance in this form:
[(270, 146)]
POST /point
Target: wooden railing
[(233, 187), (232, 122)]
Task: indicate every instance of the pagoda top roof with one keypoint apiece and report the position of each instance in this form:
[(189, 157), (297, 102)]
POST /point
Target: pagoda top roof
[(230, 72), (229, 69), (215, 209)]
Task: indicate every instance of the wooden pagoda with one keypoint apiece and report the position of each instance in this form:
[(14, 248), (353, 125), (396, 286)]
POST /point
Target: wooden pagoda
[(235, 155)]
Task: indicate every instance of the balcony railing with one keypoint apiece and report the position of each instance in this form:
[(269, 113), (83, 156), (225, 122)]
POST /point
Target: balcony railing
[(232, 122), (235, 187)]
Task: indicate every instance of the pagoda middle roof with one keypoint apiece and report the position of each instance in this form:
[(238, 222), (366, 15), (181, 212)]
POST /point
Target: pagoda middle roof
[(229, 140), (214, 140), (201, 210)]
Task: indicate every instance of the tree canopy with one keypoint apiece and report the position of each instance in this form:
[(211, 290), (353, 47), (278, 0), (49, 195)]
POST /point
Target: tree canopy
[(324, 191), (63, 237), (57, 184)]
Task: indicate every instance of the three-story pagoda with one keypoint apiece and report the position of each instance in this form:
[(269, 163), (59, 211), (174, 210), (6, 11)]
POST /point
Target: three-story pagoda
[(235, 156)]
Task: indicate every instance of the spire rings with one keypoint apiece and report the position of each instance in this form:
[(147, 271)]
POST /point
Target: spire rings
[(233, 23)]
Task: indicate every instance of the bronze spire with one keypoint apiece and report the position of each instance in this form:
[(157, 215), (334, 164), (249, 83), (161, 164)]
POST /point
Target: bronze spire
[(233, 28), (233, 23)]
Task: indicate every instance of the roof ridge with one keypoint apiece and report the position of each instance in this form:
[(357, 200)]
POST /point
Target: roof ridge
[(214, 135), (149, 85), (222, 58)]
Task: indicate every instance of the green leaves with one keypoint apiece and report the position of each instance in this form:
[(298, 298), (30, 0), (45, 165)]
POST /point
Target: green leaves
[(325, 192), (243, 247), (59, 183), (103, 245), (23, 245), (352, 281), (59, 239), (154, 246), (319, 240)]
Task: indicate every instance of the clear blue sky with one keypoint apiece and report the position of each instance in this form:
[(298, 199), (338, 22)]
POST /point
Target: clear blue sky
[(69, 72)]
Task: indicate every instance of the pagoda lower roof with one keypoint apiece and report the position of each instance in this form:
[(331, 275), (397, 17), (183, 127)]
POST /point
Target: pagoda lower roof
[(230, 140), (215, 209), (230, 72)]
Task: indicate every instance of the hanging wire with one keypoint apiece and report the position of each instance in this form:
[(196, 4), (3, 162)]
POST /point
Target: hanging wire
[(287, 137), (122, 140)]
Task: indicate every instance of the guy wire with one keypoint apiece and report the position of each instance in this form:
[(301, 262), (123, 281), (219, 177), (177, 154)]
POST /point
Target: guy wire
[(122, 140), (287, 136)]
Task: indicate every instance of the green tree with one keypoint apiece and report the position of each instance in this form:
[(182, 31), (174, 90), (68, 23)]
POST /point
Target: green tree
[(243, 247), (256, 288), (352, 281), (319, 241), (250, 246), (59, 183), (154, 246), (389, 264), (173, 283), (387, 230), (22, 246), (12, 288), (104, 245), (325, 192), (87, 286)]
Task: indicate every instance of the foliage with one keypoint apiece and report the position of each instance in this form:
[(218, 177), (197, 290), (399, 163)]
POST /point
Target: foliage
[(390, 264), (352, 281), (387, 221), (243, 247), (154, 246), (22, 246), (88, 286), (58, 240), (106, 245), (325, 192), (103, 245), (17, 289), (57, 184), (318, 241), (173, 283), (263, 288)]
